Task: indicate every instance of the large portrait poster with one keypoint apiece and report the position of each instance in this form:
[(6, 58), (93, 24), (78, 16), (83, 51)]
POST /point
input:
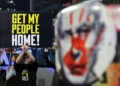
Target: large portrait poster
[(32, 28)]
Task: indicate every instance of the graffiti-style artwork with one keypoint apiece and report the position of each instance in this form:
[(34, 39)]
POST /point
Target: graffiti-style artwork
[(113, 74), (85, 37), (115, 15)]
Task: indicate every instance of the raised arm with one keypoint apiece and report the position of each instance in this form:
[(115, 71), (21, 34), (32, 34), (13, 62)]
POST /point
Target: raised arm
[(19, 58), (10, 73), (29, 54)]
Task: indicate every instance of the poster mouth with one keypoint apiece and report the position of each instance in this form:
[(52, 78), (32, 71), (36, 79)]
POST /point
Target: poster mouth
[(76, 63), (78, 70)]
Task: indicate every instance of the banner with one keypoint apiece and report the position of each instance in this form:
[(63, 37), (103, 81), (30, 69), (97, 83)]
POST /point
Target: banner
[(86, 40), (32, 28)]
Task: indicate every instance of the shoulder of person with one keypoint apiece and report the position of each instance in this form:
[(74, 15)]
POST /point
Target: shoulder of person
[(34, 61), (15, 64), (11, 68)]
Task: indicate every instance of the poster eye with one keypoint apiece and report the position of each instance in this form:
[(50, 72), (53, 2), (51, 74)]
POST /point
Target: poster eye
[(66, 33)]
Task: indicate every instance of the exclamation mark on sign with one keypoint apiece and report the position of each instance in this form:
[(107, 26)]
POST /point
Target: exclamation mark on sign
[(38, 40)]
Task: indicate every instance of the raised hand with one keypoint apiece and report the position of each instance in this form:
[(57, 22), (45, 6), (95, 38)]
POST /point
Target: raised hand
[(25, 48), (46, 50)]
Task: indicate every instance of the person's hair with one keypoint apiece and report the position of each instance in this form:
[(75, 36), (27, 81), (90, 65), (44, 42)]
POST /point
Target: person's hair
[(25, 55), (15, 55)]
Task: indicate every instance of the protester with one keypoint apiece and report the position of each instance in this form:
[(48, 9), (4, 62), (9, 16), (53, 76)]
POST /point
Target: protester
[(11, 73), (3, 66), (26, 67), (3, 58), (46, 54)]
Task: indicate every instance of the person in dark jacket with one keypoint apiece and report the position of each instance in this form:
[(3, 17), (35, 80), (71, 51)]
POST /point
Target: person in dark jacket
[(26, 68), (11, 73)]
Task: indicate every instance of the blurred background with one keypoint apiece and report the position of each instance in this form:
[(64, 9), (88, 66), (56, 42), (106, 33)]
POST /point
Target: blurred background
[(54, 6), (43, 5)]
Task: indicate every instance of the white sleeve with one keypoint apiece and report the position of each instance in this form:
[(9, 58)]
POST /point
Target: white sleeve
[(5, 58), (10, 73)]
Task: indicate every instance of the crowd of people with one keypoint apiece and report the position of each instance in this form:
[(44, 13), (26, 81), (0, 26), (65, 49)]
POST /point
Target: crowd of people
[(22, 69)]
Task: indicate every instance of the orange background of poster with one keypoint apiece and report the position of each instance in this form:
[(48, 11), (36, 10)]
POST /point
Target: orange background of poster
[(113, 75)]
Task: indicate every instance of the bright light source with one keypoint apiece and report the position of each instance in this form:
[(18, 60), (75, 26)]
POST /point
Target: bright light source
[(95, 7)]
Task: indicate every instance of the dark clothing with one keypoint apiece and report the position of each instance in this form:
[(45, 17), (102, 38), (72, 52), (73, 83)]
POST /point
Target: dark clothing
[(12, 81), (26, 73), (2, 77), (49, 64)]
